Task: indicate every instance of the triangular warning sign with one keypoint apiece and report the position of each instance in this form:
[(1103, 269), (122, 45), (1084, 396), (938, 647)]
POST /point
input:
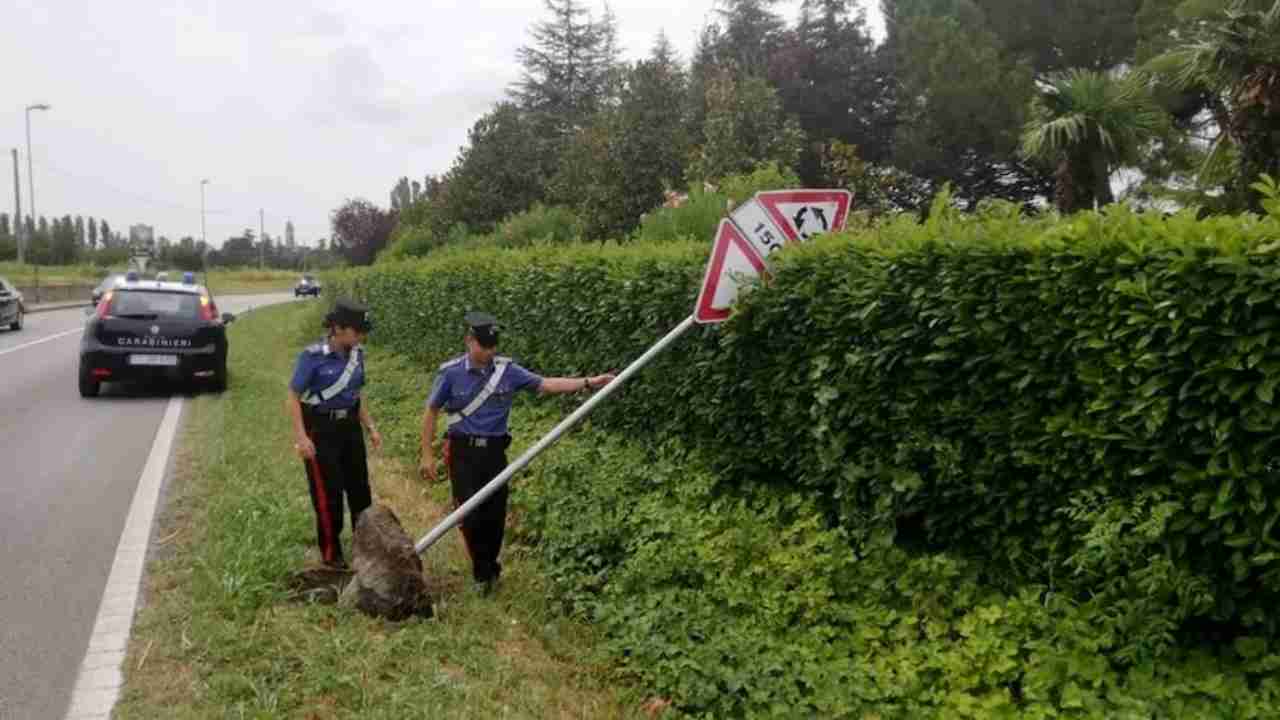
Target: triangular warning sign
[(802, 214), (732, 260)]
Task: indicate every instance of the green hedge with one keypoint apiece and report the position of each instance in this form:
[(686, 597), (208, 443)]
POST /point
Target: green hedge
[(1083, 409), (749, 605)]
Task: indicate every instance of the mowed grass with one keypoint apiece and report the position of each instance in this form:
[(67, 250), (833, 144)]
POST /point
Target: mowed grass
[(219, 636), (235, 280)]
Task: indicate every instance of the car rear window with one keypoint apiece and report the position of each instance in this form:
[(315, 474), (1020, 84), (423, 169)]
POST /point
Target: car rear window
[(160, 304)]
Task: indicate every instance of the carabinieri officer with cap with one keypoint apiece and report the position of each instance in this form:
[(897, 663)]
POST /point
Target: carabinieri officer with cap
[(324, 404), (476, 390)]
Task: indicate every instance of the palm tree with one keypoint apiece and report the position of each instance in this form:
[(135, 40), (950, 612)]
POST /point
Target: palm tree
[(1088, 124), (1235, 60)]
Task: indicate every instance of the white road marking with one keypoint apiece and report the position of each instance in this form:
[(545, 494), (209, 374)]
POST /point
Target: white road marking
[(101, 677), (41, 340)]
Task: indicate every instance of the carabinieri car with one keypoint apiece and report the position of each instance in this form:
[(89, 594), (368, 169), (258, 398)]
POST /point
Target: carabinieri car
[(146, 329)]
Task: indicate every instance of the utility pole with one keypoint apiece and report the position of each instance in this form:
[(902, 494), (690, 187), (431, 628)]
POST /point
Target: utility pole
[(19, 227), (262, 242)]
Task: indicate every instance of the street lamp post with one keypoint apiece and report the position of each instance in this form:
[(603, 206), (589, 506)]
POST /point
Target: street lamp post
[(203, 239), (31, 181)]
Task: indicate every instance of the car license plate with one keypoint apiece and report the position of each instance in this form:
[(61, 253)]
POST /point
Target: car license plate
[(154, 360)]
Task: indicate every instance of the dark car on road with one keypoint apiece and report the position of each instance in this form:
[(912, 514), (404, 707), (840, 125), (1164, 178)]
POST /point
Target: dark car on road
[(107, 283), (12, 308), (144, 330), (307, 285)]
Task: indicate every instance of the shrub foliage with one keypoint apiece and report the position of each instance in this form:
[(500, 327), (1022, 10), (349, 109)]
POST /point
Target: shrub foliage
[(987, 461)]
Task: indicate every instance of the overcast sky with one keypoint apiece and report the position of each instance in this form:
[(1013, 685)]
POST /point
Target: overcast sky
[(291, 107)]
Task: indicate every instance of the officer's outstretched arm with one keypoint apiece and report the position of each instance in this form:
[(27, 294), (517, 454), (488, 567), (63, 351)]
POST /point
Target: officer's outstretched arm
[(560, 385)]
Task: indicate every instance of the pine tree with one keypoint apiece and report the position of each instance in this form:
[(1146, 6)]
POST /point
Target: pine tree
[(564, 69), (93, 234), (752, 32)]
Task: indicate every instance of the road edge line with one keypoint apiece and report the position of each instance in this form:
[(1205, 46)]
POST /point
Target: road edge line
[(100, 677), (44, 339)]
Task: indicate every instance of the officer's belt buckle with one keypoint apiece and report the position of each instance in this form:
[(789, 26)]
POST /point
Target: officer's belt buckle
[(339, 414), (480, 442)]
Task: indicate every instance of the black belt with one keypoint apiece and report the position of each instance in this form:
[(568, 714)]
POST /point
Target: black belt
[(350, 413), (480, 441)]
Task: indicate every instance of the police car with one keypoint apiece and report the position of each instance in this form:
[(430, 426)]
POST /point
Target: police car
[(307, 285), (12, 308), (147, 329)]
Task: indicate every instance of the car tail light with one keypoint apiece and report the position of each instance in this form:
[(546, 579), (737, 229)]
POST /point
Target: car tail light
[(208, 311), (101, 373), (104, 305)]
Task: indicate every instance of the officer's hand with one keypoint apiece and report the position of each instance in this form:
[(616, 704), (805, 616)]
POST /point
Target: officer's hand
[(600, 381), (427, 468), (306, 449), (375, 439)]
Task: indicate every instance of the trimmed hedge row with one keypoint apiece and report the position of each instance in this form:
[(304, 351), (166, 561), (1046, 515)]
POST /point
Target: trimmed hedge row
[(749, 605), (1085, 405)]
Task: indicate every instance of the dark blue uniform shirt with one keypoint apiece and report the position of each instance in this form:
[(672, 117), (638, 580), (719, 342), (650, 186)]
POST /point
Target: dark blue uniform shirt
[(319, 367), (458, 382)]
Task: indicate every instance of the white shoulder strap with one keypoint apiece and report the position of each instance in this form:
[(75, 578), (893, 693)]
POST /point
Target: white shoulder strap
[(500, 367), (338, 385)]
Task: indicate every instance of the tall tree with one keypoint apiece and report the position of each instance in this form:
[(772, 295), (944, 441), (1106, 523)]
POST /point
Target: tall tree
[(960, 104), (401, 194), (564, 69), (609, 57), (617, 168), (1054, 35), (93, 234), (1235, 60), (1087, 124), (501, 171), (104, 232), (745, 126), (8, 243), (752, 33), (360, 230), (828, 76)]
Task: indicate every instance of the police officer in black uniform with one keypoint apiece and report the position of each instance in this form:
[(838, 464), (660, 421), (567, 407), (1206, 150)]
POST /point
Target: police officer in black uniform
[(476, 390), (324, 405)]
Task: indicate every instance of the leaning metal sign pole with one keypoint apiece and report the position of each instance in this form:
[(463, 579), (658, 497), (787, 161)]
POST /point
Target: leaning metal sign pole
[(741, 249)]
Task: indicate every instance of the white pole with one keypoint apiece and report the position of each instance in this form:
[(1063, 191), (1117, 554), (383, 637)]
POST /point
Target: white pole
[(550, 438)]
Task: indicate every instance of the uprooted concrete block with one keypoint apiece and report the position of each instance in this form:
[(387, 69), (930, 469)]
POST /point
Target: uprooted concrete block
[(388, 579)]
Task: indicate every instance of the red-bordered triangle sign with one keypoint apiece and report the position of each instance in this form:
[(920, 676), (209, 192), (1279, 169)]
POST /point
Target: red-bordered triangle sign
[(732, 260), (801, 214)]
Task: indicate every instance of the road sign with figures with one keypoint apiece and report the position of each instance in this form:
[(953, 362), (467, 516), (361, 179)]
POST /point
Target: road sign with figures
[(801, 214)]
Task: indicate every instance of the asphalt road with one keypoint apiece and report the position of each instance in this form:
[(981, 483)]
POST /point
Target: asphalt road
[(68, 470)]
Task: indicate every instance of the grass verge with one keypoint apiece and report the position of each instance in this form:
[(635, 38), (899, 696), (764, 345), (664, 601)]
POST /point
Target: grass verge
[(238, 280), (218, 635)]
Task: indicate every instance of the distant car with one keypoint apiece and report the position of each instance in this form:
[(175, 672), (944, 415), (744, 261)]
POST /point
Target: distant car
[(12, 308), (307, 285), (144, 329), (107, 283)]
